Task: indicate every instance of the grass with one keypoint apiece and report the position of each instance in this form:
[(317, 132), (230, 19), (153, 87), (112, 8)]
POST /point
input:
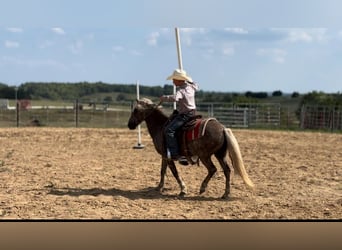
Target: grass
[(63, 117)]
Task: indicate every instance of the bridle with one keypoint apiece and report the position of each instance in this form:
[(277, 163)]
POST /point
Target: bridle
[(147, 111)]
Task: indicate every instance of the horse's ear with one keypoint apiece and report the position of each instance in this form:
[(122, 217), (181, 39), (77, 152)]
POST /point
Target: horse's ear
[(140, 102)]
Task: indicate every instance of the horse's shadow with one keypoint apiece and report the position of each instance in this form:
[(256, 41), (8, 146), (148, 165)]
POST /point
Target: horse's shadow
[(149, 193)]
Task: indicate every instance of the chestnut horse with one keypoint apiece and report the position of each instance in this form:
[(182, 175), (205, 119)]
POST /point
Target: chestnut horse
[(215, 140)]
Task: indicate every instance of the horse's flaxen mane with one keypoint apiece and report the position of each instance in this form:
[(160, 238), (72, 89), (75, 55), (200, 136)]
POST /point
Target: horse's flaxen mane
[(158, 114), (145, 101)]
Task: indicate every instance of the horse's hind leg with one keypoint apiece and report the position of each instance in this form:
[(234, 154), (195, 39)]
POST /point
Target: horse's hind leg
[(211, 171), (174, 171), (226, 170)]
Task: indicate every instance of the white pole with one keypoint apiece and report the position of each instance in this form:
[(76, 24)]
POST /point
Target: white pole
[(180, 63), (139, 145), (179, 50)]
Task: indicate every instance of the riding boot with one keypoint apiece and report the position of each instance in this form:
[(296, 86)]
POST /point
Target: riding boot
[(171, 143)]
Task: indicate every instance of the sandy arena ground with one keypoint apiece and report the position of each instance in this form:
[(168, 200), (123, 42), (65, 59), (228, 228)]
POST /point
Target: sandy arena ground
[(58, 173)]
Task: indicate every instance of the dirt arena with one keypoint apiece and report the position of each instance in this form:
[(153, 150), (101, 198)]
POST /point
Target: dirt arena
[(58, 173)]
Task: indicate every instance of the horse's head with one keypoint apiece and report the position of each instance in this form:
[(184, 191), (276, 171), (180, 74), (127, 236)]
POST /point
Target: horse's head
[(141, 110)]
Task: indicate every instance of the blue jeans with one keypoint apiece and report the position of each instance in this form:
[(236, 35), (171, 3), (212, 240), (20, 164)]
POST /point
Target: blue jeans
[(171, 130)]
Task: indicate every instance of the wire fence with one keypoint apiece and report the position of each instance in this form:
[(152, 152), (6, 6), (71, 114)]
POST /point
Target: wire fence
[(321, 117), (107, 115)]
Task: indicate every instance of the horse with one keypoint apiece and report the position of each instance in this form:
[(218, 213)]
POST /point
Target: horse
[(214, 140)]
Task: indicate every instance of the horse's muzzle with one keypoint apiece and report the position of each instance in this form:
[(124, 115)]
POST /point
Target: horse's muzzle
[(131, 125)]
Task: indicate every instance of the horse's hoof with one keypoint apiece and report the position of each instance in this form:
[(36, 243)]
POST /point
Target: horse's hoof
[(225, 197), (182, 194), (202, 191)]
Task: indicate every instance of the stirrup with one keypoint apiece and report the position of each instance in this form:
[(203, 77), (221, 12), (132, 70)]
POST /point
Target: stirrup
[(182, 160)]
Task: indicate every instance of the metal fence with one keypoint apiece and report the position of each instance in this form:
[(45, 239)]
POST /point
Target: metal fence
[(321, 117), (242, 115), (68, 114)]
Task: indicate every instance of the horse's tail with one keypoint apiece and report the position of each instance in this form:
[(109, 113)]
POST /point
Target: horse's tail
[(235, 155)]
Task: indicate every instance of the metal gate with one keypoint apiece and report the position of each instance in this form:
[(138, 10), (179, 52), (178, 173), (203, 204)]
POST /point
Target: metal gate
[(243, 115)]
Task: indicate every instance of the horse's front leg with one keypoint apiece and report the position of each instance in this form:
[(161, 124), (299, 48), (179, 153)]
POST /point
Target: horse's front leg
[(162, 175), (174, 171)]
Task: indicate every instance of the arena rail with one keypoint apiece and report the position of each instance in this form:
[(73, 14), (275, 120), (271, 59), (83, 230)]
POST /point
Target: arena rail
[(116, 114)]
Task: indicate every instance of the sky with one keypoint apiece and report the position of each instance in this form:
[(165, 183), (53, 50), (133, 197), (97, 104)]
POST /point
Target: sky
[(229, 46)]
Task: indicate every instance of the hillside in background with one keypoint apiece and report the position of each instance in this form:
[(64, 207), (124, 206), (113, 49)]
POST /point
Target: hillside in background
[(107, 93), (314, 110)]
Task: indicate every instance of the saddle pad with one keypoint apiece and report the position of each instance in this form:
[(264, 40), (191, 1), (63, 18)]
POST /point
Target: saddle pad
[(195, 132)]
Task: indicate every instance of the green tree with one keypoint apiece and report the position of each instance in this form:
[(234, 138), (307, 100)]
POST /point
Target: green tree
[(295, 95), (120, 97), (108, 99), (277, 93)]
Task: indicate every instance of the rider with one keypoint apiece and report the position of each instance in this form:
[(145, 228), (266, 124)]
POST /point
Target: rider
[(185, 97)]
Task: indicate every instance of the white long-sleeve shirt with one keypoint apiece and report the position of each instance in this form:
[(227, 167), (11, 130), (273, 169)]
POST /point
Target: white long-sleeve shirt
[(185, 97)]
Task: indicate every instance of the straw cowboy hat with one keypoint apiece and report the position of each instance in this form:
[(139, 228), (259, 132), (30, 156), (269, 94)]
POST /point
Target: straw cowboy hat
[(179, 74)]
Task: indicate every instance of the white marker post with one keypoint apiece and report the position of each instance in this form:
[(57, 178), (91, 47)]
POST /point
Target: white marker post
[(139, 145), (179, 50), (180, 63)]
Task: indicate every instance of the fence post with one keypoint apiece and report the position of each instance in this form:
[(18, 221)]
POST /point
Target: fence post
[(76, 112), (212, 110), (332, 118), (17, 113), (302, 117), (245, 117), (288, 118)]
